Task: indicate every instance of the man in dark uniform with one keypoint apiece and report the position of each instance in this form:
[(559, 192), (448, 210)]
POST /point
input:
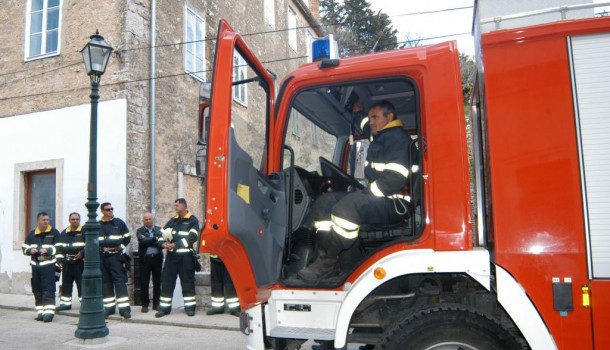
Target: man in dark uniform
[(340, 214), (151, 261), (223, 290), (178, 237), (114, 237), (40, 246), (70, 256)]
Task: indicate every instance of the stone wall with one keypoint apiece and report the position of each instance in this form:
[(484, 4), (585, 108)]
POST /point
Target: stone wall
[(58, 81)]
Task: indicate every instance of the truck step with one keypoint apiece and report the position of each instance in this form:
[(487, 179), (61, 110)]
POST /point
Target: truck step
[(303, 333)]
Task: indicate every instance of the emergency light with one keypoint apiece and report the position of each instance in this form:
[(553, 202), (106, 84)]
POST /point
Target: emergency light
[(325, 47)]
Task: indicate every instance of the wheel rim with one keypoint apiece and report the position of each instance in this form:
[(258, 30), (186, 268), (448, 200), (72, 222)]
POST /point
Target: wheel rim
[(451, 346)]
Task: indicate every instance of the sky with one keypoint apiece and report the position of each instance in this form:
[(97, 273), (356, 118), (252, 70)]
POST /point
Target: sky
[(428, 25), (435, 24)]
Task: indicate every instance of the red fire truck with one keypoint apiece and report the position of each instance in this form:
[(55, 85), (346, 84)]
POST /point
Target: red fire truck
[(528, 268)]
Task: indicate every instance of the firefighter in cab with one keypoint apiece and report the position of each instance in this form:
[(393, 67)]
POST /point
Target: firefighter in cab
[(337, 216)]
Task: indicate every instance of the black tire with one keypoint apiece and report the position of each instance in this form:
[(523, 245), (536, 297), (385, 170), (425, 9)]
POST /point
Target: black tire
[(449, 327)]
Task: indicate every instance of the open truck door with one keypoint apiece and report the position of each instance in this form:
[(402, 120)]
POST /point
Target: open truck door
[(245, 220)]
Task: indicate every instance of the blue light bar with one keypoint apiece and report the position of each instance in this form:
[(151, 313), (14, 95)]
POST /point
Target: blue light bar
[(325, 47)]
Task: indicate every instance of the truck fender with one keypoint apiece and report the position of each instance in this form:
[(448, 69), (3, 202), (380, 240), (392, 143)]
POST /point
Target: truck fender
[(474, 262), (520, 308)]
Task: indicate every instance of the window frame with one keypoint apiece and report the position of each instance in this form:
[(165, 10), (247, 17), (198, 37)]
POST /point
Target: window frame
[(192, 71), (28, 22), (269, 12), (308, 41), (292, 29), (241, 65)]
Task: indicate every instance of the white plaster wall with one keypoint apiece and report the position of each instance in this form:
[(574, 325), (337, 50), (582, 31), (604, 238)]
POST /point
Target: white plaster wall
[(62, 134)]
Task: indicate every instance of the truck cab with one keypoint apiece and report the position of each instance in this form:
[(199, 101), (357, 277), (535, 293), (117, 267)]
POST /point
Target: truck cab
[(265, 167)]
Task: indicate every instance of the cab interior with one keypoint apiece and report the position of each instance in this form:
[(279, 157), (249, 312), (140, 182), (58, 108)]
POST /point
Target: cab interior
[(336, 163)]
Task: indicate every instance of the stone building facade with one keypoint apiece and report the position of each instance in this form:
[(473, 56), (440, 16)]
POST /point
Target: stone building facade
[(44, 103)]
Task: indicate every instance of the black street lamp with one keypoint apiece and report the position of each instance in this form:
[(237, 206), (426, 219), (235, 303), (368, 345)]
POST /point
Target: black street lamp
[(91, 322)]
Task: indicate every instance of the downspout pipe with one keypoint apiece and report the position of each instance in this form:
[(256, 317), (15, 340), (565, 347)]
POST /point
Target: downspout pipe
[(152, 101)]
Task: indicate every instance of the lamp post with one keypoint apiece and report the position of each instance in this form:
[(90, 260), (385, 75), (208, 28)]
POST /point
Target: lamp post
[(91, 322)]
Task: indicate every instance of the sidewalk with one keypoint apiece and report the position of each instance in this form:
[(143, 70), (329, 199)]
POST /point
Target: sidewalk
[(176, 318)]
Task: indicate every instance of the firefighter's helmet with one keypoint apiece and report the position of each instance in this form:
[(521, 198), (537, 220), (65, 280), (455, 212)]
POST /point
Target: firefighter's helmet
[(167, 234)]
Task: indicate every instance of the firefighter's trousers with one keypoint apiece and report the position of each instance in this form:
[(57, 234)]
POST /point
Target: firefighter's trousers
[(43, 287), (114, 284), (344, 213), (183, 265), (223, 290), (71, 273)]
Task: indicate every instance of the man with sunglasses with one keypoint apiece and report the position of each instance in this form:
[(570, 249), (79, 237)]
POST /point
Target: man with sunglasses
[(114, 238)]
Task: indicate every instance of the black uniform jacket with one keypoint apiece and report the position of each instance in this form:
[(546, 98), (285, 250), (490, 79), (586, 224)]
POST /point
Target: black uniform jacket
[(41, 240), (185, 232), (387, 168), (70, 242)]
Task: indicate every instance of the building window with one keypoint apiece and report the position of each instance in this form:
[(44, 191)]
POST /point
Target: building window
[(308, 42), (40, 196), (194, 49), (240, 91), (43, 25), (270, 12), (292, 29)]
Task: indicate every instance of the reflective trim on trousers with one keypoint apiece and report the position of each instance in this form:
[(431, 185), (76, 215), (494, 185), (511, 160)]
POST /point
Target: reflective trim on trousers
[(218, 302), (324, 225), (345, 228), (48, 309), (123, 302), (189, 301), (165, 302), (65, 301)]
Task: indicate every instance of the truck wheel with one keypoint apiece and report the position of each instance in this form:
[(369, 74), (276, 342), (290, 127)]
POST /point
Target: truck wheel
[(449, 327)]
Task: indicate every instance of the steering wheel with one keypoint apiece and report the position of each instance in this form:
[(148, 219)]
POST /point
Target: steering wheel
[(336, 178)]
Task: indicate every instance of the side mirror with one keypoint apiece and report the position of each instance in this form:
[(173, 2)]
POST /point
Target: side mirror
[(201, 161), (201, 158), (204, 123)]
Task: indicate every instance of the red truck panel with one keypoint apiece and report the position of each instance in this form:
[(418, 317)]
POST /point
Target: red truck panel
[(538, 231)]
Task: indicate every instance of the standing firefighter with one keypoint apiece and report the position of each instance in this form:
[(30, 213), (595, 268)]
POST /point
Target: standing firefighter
[(70, 255), (223, 290), (40, 246), (114, 237), (179, 235)]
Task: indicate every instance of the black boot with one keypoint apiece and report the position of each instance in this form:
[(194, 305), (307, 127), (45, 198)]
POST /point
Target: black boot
[(327, 263)]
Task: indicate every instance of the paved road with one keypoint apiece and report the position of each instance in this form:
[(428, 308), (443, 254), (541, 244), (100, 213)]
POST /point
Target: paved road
[(19, 331)]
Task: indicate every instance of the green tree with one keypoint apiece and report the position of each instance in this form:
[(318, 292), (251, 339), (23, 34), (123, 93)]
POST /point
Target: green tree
[(357, 28), (467, 71)]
